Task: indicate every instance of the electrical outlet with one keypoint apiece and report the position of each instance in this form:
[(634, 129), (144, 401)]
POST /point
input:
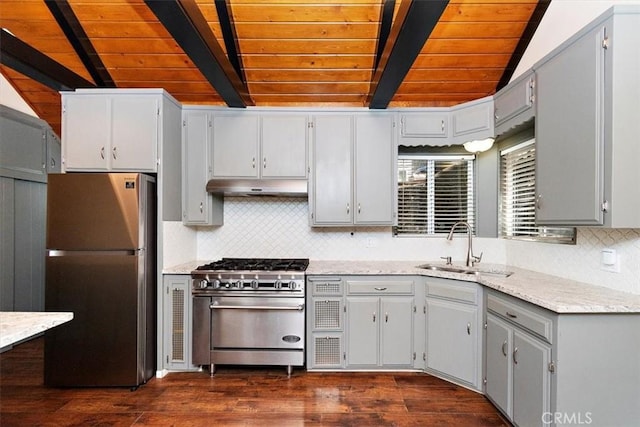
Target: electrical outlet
[(609, 260)]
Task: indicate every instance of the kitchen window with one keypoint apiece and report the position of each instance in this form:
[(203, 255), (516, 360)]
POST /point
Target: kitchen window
[(434, 192), (518, 197)]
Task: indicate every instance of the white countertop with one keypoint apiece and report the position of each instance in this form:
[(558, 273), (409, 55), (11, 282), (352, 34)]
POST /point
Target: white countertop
[(16, 326), (553, 293)]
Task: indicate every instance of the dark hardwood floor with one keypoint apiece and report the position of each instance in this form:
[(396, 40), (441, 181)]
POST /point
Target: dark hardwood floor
[(238, 397)]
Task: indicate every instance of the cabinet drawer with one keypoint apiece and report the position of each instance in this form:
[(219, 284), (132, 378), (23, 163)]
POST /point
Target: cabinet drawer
[(326, 286), (521, 316), (380, 287), (452, 290)]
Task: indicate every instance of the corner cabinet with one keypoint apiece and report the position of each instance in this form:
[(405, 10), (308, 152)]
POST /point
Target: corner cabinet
[(587, 117), (514, 104), (115, 129), (453, 331), (252, 145), (353, 170), (198, 206)]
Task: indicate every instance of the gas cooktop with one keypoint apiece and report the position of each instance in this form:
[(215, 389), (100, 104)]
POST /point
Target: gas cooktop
[(255, 264)]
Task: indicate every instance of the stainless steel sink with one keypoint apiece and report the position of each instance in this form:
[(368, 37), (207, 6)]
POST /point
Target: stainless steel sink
[(466, 270)]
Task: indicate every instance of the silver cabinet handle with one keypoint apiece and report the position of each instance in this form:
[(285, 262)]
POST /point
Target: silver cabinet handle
[(380, 289), (348, 208), (264, 163), (443, 125), (539, 201), (374, 317), (386, 318), (358, 207), (511, 315), (201, 207), (114, 151), (253, 163), (504, 348), (515, 358), (469, 328), (102, 152)]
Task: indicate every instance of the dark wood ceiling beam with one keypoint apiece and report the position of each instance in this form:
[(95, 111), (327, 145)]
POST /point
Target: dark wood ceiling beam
[(413, 25), (225, 17), (184, 21), (385, 28), (16, 54), (70, 25), (523, 43)]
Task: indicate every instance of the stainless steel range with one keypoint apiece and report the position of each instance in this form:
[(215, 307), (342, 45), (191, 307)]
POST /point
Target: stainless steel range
[(249, 311)]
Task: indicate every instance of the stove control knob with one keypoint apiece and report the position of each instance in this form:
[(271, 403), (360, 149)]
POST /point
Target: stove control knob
[(254, 284), (277, 284), (203, 284), (239, 284), (216, 284), (292, 285)]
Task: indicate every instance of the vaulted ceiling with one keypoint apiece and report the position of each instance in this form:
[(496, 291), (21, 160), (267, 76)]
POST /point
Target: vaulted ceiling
[(367, 53)]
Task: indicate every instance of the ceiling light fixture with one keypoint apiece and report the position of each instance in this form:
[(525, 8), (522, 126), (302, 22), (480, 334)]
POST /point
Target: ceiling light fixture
[(478, 145)]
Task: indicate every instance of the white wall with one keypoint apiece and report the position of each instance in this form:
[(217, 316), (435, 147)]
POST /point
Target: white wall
[(10, 98), (562, 19)]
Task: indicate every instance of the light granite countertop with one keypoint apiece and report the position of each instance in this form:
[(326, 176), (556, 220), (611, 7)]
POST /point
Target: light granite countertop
[(17, 326), (551, 292)]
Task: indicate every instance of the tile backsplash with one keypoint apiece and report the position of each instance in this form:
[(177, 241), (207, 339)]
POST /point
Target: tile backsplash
[(279, 227)]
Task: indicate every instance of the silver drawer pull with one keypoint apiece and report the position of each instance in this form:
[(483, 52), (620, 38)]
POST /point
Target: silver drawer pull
[(386, 318), (256, 307), (515, 358), (504, 348), (513, 316), (374, 317), (468, 328), (380, 289), (102, 152)]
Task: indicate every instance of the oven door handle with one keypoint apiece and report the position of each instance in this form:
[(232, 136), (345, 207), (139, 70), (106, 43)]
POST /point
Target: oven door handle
[(257, 307)]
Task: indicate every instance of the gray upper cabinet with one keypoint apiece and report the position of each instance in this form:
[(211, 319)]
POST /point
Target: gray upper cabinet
[(424, 127), (514, 104), (23, 146), (236, 141), (198, 206), (285, 143), (472, 120), (587, 125), (116, 129), (353, 170), (269, 145)]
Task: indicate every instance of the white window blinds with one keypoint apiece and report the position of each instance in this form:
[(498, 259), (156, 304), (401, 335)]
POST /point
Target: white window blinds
[(434, 193), (518, 198)]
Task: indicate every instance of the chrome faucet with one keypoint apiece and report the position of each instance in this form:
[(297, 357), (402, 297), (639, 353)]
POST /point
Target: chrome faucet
[(471, 259)]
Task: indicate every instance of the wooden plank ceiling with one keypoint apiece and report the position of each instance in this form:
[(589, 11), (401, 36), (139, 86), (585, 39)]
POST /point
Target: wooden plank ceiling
[(287, 52)]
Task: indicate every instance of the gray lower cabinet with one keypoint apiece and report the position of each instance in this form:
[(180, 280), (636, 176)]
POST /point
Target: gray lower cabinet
[(176, 296), (453, 335), (544, 368), (325, 321), (379, 323)]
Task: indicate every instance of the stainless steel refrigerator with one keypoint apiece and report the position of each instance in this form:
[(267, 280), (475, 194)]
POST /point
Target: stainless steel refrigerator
[(101, 265)]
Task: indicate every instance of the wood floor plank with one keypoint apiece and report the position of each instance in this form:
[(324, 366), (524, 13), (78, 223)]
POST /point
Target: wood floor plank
[(239, 396)]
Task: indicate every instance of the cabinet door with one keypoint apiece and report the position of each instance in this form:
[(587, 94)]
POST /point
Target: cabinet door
[(134, 133), (498, 363), (85, 132), (284, 146), (531, 380), (569, 134), (363, 318), (452, 339), (429, 125), (514, 103), (235, 146), (176, 316), (374, 170), (396, 320), (331, 171), (196, 141), (473, 120)]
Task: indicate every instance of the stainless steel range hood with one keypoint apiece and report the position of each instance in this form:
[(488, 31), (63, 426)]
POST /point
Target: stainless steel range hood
[(258, 187)]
